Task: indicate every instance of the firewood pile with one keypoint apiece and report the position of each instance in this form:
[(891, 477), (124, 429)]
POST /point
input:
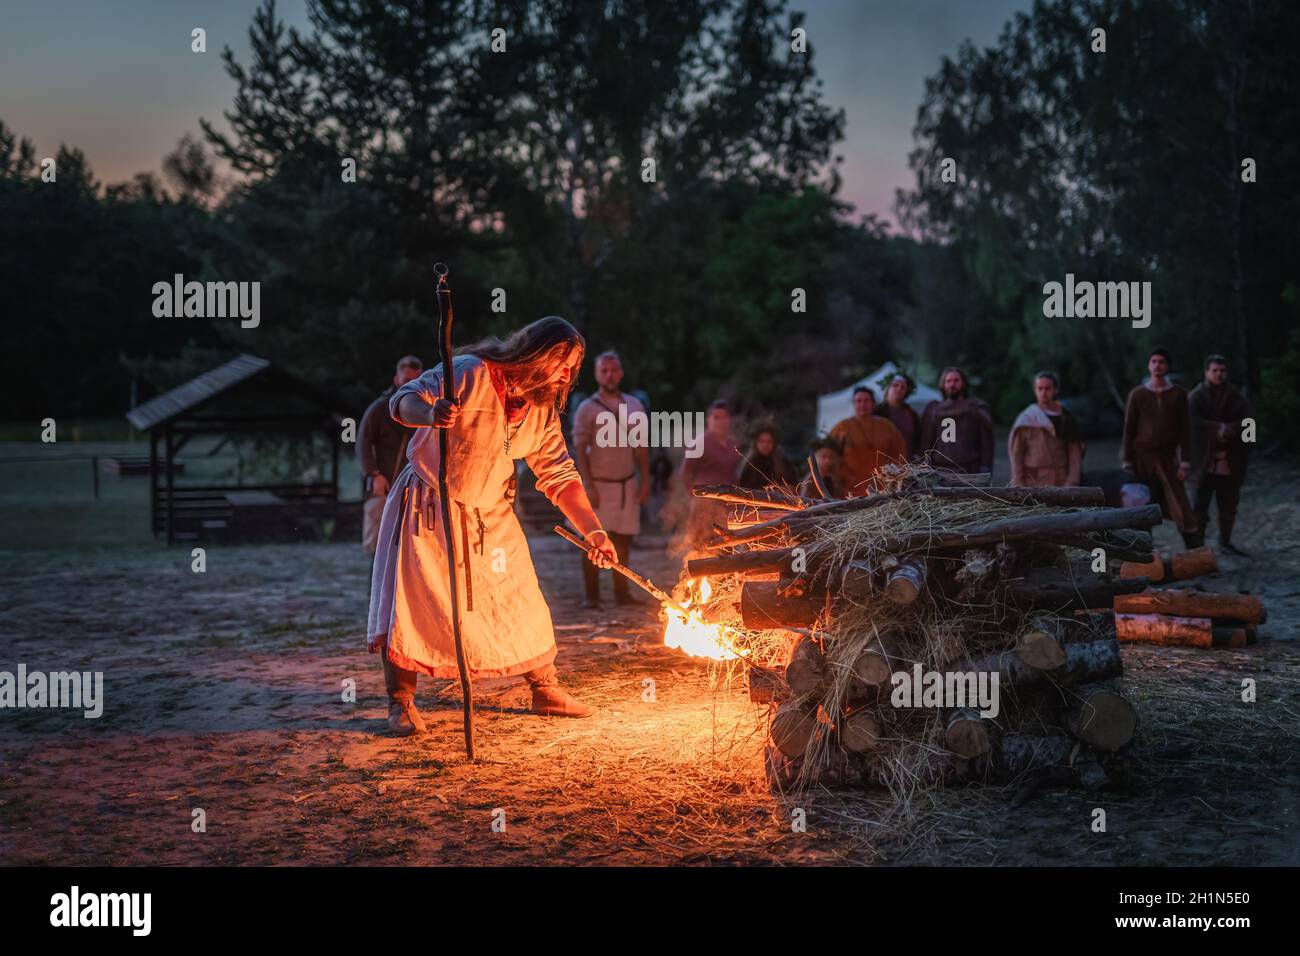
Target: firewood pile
[(957, 587), (1180, 616)]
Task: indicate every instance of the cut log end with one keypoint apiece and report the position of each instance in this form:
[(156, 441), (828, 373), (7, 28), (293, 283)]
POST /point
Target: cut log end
[(1103, 719), (860, 732), (967, 735), (1039, 649), (792, 728)]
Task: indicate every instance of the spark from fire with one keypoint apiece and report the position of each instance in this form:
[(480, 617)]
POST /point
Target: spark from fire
[(691, 633)]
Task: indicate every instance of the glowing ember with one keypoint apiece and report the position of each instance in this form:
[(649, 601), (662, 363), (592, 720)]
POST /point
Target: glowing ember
[(692, 634)]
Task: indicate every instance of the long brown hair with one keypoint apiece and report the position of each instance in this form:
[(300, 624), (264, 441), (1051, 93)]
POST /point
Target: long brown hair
[(525, 356)]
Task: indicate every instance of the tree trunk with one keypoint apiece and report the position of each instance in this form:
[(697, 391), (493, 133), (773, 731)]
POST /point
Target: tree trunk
[(1174, 631), (1186, 603), (1054, 756)]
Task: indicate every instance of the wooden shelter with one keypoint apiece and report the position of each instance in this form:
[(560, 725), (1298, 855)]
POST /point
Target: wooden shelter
[(247, 396)]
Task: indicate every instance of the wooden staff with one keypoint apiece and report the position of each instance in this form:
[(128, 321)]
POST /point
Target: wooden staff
[(445, 318)]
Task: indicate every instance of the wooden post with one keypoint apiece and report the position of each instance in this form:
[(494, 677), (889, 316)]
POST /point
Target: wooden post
[(153, 482), (171, 482)]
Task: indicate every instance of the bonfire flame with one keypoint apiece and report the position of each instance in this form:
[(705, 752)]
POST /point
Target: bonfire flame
[(691, 633)]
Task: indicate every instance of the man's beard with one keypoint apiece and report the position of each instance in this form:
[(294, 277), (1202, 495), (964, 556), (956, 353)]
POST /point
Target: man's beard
[(953, 394), (545, 396)]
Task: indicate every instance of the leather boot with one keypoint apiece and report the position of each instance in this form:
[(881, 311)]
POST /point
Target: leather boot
[(403, 719), (552, 700)]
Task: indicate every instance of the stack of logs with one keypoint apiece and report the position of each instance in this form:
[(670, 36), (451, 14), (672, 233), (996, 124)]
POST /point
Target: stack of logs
[(1062, 714), (1181, 616)]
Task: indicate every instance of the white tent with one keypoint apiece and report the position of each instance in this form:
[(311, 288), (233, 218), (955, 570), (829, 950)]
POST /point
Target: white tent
[(837, 406)]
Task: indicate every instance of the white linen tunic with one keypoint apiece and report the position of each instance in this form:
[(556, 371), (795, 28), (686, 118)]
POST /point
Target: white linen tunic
[(505, 623)]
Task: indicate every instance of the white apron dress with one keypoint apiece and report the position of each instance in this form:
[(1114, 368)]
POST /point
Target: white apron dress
[(505, 623)]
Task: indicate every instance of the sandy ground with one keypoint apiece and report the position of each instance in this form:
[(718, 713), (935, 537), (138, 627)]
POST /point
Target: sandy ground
[(225, 693)]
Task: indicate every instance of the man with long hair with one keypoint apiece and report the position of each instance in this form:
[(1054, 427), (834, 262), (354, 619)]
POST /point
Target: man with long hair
[(957, 431), (896, 409), (509, 395), (765, 465)]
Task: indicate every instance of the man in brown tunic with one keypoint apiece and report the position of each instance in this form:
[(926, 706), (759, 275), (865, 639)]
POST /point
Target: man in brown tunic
[(1217, 410), (1158, 443), (957, 432), (381, 450), (869, 443)]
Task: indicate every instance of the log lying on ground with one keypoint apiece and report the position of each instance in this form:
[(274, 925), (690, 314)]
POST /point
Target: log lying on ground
[(1053, 589), (764, 605), (857, 579), (1054, 756), (1174, 631), (1101, 717), (1177, 567), (1186, 603)]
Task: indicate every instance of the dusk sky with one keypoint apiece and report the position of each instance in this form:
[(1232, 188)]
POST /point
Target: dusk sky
[(118, 80)]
